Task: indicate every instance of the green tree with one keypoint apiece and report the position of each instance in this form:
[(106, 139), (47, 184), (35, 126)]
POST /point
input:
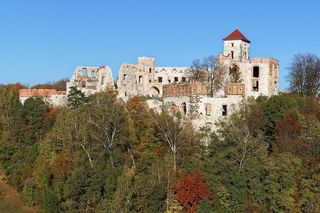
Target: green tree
[(205, 207), (76, 98), (109, 123), (282, 173)]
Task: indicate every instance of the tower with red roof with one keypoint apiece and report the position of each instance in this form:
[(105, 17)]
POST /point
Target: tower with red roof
[(237, 46)]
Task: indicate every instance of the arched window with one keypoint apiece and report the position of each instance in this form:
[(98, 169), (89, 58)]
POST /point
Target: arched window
[(84, 72), (234, 73), (93, 74), (154, 92)]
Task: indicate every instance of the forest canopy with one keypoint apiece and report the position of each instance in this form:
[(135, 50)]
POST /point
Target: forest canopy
[(110, 156), (100, 154)]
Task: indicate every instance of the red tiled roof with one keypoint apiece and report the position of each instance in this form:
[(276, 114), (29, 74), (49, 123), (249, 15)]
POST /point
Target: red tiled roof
[(236, 35)]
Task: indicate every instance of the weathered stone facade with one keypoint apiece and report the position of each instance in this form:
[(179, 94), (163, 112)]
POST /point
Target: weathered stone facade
[(185, 89), (51, 96), (254, 77), (243, 77), (88, 79), (146, 79), (91, 79)]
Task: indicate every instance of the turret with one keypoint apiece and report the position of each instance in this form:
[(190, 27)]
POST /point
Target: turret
[(236, 46)]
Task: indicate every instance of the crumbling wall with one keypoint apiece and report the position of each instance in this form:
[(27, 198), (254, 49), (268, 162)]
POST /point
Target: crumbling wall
[(91, 79), (51, 96), (235, 89), (145, 79), (185, 89)]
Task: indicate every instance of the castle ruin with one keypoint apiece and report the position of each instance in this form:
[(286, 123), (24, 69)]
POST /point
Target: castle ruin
[(242, 77)]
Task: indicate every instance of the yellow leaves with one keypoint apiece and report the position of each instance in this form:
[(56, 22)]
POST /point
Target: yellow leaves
[(173, 206)]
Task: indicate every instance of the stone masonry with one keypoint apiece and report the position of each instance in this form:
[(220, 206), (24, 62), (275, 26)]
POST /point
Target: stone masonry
[(243, 77)]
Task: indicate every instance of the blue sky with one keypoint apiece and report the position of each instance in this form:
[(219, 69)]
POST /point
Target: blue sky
[(44, 40)]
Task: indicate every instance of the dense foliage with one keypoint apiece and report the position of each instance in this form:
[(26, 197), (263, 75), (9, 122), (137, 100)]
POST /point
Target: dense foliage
[(58, 85), (104, 155)]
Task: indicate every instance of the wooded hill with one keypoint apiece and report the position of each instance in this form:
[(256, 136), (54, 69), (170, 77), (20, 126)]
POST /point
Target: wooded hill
[(105, 155), (100, 154)]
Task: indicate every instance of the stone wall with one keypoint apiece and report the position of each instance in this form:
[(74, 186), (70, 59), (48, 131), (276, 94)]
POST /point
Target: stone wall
[(145, 79), (51, 96), (184, 89), (91, 79), (235, 89)]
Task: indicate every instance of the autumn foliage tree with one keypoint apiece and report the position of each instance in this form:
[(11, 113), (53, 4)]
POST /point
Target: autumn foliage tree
[(287, 132), (190, 189)]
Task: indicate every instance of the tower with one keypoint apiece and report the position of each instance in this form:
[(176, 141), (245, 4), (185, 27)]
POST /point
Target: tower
[(236, 45)]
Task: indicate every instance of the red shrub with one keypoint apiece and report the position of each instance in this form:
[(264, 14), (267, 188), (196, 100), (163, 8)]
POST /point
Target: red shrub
[(190, 189)]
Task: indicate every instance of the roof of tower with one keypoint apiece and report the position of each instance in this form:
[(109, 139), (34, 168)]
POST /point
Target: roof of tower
[(236, 35)]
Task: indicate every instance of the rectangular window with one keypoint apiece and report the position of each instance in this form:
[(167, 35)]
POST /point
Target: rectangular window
[(232, 44), (176, 79), (124, 76), (140, 79), (256, 72), (183, 79), (150, 70), (208, 109), (159, 79), (232, 54), (224, 110)]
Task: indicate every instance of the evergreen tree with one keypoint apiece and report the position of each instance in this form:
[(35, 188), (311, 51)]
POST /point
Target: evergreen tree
[(76, 98)]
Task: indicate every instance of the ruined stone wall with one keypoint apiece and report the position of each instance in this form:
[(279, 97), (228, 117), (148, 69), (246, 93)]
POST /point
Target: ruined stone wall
[(203, 110), (146, 79), (91, 79), (184, 89), (235, 89), (259, 76), (51, 96)]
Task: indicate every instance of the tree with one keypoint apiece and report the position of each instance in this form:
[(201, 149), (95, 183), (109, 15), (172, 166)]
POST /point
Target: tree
[(141, 129), (190, 189), (215, 73), (282, 173), (76, 98), (287, 135), (169, 125), (35, 114), (205, 207), (197, 71), (274, 109), (58, 85), (108, 120), (304, 75), (245, 133), (210, 71)]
